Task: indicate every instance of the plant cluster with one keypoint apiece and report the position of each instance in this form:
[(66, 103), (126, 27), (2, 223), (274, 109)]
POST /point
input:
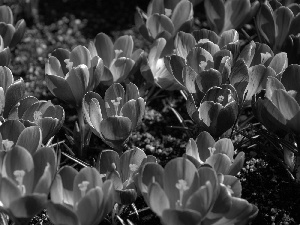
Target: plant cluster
[(109, 83)]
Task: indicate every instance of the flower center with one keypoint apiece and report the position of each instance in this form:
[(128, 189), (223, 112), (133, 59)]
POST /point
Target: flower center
[(265, 57), (37, 115), (182, 187), (7, 144), (203, 65), (69, 64), (83, 187), (220, 99), (19, 176), (116, 104), (113, 166), (212, 150)]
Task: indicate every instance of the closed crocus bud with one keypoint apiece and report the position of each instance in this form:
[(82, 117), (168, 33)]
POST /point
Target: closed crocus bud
[(114, 117), (11, 34), (80, 198), (25, 182), (69, 75)]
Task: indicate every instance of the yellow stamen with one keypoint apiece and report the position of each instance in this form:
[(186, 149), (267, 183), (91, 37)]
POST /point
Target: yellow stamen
[(37, 115), (220, 99), (69, 64), (7, 144), (133, 167), (116, 104), (182, 187), (212, 150), (83, 187), (19, 176)]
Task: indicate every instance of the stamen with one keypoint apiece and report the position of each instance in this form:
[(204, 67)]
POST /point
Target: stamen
[(153, 179), (116, 104), (203, 65), (7, 144), (19, 176), (229, 189), (107, 105), (220, 99), (117, 53), (212, 150), (83, 187), (133, 167), (113, 165), (182, 187), (69, 64), (37, 115)]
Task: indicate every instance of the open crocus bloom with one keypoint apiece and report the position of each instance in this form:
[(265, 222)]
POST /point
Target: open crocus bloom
[(69, 75), (25, 181), (122, 171), (47, 116), (119, 59), (279, 108), (116, 116), (181, 194), (80, 198), (219, 155)]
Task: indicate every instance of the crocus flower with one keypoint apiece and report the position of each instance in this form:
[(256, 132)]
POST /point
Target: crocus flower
[(118, 58), (69, 75), (161, 22), (230, 14), (80, 198), (25, 183), (217, 111), (116, 116), (275, 23), (181, 194), (11, 92), (279, 108), (219, 155), (11, 34), (47, 116), (122, 171)]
